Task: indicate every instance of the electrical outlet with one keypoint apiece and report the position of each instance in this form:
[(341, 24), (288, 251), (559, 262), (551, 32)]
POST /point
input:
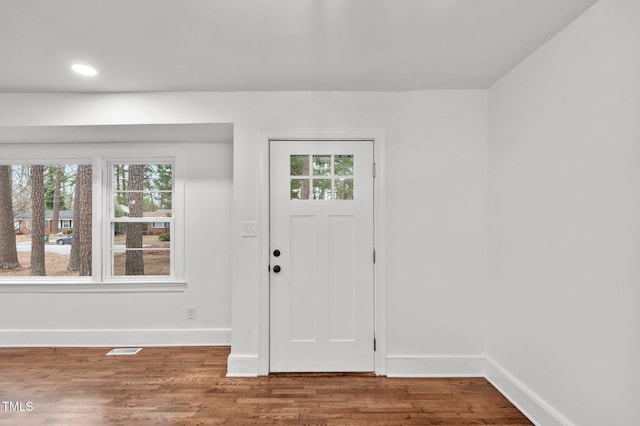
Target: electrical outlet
[(191, 312)]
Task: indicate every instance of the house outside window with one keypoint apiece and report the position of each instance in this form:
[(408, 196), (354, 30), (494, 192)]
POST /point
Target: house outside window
[(139, 194), (134, 200), (37, 190)]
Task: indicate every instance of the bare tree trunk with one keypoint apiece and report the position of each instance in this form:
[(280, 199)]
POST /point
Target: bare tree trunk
[(55, 214), (119, 177), (134, 259), (74, 256), (81, 248), (37, 221), (82, 237), (8, 252)]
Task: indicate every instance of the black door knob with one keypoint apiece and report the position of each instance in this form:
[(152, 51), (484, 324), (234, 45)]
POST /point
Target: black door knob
[(276, 269), (276, 253)]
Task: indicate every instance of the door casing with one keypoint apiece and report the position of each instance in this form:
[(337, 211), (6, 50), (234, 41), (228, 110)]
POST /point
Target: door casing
[(378, 139)]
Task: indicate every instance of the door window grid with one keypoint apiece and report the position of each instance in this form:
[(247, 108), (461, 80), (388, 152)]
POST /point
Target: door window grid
[(321, 177)]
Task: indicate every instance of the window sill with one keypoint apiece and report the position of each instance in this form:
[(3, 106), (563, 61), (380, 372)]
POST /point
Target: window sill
[(84, 287)]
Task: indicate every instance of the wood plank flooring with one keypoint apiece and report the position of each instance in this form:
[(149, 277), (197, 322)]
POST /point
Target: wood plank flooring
[(187, 386)]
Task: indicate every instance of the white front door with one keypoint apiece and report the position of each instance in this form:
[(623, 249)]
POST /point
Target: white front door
[(321, 256)]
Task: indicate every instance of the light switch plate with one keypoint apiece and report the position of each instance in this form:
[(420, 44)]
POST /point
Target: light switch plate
[(249, 229)]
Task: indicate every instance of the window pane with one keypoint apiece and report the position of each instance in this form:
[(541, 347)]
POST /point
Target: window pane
[(148, 262), (322, 189), (141, 188), (124, 203), (344, 165), (154, 176), (142, 191), (141, 249), (299, 165), (344, 189), (58, 198), (321, 165), (299, 189)]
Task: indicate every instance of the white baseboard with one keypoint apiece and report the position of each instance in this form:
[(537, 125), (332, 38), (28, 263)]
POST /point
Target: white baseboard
[(242, 365), (116, 337), (430, 366), (530, 404)]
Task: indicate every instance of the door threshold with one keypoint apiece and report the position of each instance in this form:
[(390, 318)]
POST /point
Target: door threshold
[(324, 374)]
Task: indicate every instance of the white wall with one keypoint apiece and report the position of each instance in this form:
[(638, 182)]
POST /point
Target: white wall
[(436, 232), (435, 212), (564, 137), (143, 318)]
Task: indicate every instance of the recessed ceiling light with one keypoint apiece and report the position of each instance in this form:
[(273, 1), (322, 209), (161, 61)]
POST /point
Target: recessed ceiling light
[(83, 69)]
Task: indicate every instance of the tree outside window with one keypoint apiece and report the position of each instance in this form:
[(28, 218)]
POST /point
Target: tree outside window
[(141, 194), (31, 199), (47, 215)]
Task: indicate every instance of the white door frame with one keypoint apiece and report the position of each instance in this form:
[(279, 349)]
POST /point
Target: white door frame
[(380, 294)]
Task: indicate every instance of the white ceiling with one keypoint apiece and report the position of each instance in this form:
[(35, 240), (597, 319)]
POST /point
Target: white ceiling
[(229, 45)]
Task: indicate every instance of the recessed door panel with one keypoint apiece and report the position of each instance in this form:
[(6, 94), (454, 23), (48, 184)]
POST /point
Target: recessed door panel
[(302, 288), (342, 279)]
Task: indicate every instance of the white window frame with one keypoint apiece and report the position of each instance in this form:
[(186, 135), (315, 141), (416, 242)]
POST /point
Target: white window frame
[(99, 282), (176, 266), (62, 222)]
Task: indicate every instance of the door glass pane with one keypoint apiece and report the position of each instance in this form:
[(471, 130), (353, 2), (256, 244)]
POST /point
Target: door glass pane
[(332, 186), (299, 165), (344, 165), (321, 165), (299, 189), (344, 189), (322, 189)]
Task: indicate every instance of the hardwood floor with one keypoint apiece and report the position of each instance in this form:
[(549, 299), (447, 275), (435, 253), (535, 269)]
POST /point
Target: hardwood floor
[(188, 386)]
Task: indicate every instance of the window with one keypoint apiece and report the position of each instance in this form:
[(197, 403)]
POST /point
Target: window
[(140, 193), (103, 221), (42, 194), (321, 177)]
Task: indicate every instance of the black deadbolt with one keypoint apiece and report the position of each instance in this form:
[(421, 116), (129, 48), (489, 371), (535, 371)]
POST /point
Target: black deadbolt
[(276, 253), (276, 269)]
